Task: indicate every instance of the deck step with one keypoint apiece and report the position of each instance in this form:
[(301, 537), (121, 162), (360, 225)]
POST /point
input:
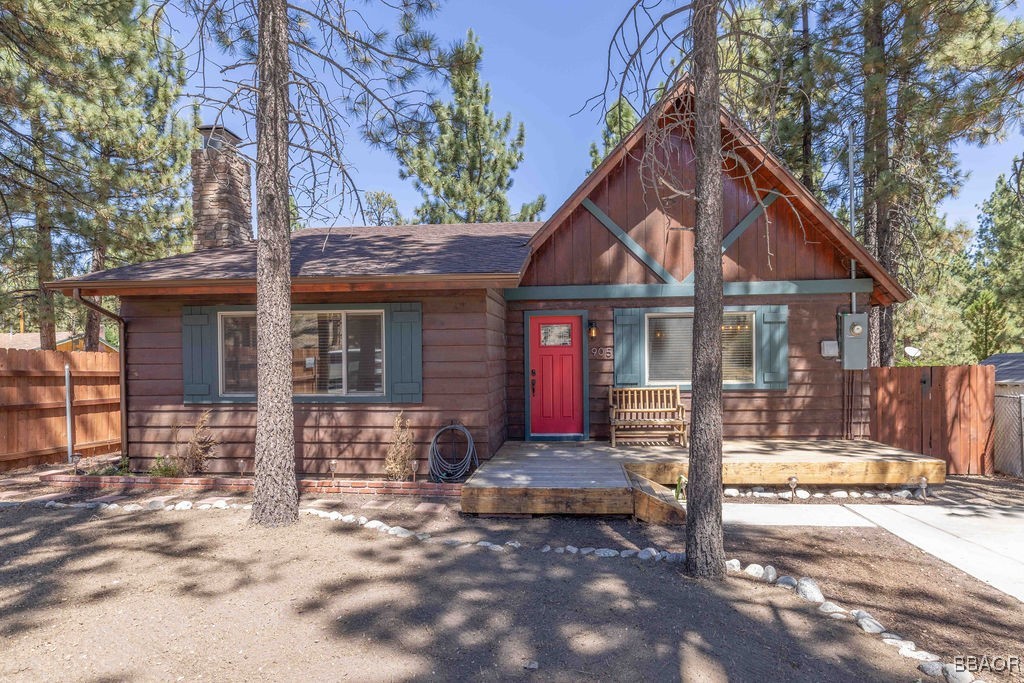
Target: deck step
[(654, 503)]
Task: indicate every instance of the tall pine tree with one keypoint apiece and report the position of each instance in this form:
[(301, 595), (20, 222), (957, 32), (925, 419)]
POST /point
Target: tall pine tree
[(465, 172), (619, 120)]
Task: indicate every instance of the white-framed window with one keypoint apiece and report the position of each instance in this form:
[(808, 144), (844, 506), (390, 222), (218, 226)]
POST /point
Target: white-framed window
[(669, 351), (334, 353)]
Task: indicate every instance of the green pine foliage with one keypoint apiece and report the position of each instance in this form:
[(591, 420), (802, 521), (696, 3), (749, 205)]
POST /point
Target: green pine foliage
[(93, 155), (381, 208), (619, 120), (988, 323), (1000, 249), (464, 172)]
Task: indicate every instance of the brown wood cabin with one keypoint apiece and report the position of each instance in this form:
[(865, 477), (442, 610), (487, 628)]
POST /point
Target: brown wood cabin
[(516, 330)]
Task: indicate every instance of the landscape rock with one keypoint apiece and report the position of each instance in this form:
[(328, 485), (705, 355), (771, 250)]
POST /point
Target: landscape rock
[(785, 495), (400, 532), (950, 673), (803, 494), (830, 608), (899, 642), (757, 489), (606, 552), (647, 554), (220, 505), (531, 665), (731, 493), (482, 544), (154, 505), (113, 506), (514, 544), (377, 524), (819, 495), (755, 571), (571, 549), (546, 549), (870, 625), (765, 494), (733, 565), (903, 494), (933, 669), (807, 589), (770, 573), (559, 550), (629, 553), (184, 505), (676, 558), (348, 519), (839, 616), (867, 494), (423, 536), (885, 495), (854, 494), (839, 493), (919, 655), (334, 516), (132, 507), (587, 551)]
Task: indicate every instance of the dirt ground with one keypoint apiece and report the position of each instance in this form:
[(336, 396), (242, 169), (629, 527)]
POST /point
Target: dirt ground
[(202, 595)]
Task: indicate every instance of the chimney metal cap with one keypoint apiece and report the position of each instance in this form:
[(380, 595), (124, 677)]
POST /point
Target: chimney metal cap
[(218, 137)]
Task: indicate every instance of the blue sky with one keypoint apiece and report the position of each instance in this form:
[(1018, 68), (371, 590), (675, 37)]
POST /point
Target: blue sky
[(544, 59)]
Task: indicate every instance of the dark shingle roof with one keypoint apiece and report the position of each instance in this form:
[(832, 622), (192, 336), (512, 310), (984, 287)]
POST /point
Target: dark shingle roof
[(471, 248), (1009, 366)]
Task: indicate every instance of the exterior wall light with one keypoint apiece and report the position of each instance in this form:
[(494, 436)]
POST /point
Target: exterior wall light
[(592, 329)]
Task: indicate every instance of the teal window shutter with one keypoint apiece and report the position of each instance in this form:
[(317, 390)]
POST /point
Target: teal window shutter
[(629, 349), (199, 353), (773, 347), (404, 365)]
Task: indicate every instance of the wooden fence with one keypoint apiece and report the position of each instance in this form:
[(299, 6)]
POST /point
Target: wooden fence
[(33, 427), (946, 412)]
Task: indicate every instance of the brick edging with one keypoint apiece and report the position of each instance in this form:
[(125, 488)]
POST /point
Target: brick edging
[(322, 486)]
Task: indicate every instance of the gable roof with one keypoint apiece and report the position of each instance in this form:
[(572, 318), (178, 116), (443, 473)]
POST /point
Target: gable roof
[(473, 251), (1009, 367), (887, 288)]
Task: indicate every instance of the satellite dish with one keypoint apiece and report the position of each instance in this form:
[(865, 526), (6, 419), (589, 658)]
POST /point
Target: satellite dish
[(912, 352)]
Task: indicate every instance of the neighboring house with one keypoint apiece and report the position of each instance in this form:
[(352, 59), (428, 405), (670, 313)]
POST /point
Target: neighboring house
[(516, 330), (66, 341), (1009, 369)]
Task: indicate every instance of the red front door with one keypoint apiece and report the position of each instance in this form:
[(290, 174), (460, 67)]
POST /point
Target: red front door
[(555, 382)]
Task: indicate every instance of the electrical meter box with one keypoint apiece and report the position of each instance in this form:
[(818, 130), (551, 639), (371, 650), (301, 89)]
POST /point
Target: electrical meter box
[(853, 333)]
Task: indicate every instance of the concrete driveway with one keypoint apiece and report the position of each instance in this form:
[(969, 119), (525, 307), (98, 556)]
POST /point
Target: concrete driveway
[(975, 524)]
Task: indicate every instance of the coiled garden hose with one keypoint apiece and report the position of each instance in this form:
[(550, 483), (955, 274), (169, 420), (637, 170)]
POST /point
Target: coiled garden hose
[(444, 469)]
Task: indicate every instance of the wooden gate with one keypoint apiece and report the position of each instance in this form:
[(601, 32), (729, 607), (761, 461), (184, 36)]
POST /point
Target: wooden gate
[(946, 412)]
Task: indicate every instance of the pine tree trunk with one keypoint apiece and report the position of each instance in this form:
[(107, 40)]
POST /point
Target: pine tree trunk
[(92, 318), (807, 147), (876, 156), (275, 497), (43, 252), (705, 555)]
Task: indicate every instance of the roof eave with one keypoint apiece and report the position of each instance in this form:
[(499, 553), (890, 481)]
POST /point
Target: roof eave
[(189, 286)]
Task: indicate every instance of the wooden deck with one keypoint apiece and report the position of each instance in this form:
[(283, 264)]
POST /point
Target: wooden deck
[(591, 477)]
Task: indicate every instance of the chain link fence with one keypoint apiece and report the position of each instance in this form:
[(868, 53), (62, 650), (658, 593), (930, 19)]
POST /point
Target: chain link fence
[(1009, 429)]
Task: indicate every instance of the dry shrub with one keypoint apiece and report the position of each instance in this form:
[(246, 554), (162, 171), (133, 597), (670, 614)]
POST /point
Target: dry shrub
[(398, 462), (201, 445)]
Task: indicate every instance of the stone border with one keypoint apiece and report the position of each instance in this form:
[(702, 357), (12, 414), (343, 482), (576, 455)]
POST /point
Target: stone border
[(234, 484), (805, 587)]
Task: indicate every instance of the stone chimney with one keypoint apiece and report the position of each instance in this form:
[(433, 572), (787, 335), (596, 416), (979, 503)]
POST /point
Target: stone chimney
[(221, 191)]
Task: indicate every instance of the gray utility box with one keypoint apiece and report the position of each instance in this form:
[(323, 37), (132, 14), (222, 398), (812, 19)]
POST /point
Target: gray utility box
[(853, 334)]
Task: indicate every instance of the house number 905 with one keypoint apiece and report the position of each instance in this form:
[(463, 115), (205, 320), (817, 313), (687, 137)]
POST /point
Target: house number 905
[(602, 352)]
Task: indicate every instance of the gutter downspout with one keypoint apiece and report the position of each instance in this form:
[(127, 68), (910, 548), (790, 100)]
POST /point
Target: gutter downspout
[(76, 294)]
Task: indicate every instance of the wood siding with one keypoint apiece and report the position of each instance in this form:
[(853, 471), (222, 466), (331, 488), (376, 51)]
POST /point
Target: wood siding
[(581, 251), (463, 379), (821, 401)]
